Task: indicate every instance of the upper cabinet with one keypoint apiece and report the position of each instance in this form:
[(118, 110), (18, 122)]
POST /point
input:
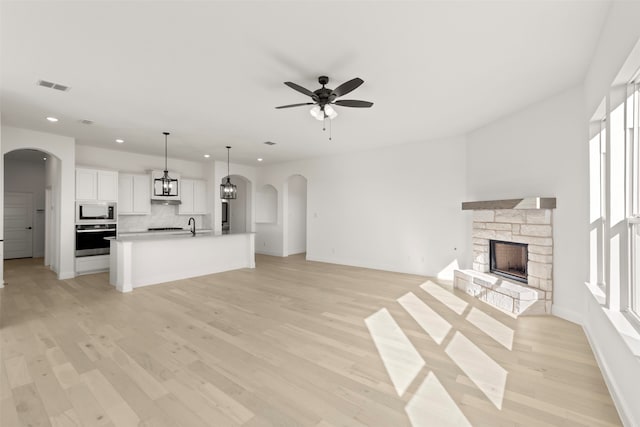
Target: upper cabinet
[(194, 197), (134, 194), (94, 184)]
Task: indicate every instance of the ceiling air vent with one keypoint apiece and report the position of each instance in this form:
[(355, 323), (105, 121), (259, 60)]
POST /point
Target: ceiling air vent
[(52, 85), (86, 122), (269, 143)]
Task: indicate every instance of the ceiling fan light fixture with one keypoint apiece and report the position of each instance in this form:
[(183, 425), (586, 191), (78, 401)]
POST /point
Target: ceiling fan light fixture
[(330, 112), (316, 113)]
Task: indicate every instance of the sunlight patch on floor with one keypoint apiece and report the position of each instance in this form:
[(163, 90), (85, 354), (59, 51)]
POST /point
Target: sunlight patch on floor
[(432, 405), (485, 373), (445, 297), (447, 272), (432, 323), (492, 327), (400, 357)]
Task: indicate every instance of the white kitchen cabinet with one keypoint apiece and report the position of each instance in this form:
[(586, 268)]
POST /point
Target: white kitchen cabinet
[(92, 264), (86, 184), (94, 184), (134, 194), (108, 186), (194, 197)]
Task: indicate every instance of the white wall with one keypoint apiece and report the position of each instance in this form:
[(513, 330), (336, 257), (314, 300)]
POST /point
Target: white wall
[(238, 206), (29, 177), (619, 363), (396, 208), (103, 158), (542, 151), (267, 204), (297, 215), (64, 149), (52, 183)]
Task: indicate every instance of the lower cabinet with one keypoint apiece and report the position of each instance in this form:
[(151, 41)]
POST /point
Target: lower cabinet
[(92, 264)]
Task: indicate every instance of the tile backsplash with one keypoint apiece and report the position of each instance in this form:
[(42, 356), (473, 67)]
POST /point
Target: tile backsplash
[(161, 216)]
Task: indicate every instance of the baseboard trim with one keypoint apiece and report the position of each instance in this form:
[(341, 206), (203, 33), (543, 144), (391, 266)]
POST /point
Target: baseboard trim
[(270, 253), (567, 314), (619, 403)]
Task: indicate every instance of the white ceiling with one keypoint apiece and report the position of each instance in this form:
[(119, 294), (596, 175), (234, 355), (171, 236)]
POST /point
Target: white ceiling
[(211, 73)]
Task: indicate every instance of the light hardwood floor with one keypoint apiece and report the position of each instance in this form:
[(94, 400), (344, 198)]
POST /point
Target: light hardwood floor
[(291, 343)]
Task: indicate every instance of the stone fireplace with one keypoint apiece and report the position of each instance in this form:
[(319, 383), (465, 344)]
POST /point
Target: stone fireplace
[(512, 255)]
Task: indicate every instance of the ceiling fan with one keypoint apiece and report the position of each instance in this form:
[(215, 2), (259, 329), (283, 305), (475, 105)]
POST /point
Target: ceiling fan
[(324, 98)]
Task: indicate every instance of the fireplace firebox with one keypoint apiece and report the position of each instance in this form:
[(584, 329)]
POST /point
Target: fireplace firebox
[(508, 259)]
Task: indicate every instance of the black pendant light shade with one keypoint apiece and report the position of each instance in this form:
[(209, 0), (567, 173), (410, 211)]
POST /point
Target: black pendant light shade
[(167, 185), (228, 191)]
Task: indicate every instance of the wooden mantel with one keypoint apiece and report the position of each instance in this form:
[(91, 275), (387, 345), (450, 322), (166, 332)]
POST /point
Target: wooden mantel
[(526, 203)]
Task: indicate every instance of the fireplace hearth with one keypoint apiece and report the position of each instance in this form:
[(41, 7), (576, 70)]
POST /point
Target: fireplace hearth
[(508, 259)]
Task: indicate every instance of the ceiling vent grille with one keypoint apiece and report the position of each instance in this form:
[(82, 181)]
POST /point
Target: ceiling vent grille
[(52, 85), (269, 143), (86, 122)]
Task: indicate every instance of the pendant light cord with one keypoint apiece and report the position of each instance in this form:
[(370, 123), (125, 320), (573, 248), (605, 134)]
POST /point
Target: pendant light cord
[(228, 170), (165, 151)]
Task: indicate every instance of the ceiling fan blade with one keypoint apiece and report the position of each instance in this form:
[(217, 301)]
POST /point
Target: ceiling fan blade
[(347, 87), (295, 105), (300, 89), (353, 103)]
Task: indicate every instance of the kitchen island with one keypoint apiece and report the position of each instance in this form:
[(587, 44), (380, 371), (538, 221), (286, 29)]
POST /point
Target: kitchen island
[(142, 260)]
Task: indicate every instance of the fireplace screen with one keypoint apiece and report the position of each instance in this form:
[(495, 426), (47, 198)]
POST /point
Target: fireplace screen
[(509, 259)]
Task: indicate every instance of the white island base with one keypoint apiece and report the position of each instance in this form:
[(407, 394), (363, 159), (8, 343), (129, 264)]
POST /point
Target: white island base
[(148, 260)]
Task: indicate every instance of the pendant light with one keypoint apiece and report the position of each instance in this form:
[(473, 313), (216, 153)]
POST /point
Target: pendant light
[(168, 185), (228, 190)]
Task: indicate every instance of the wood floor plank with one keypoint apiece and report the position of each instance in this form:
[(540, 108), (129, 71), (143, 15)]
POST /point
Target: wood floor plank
[(285, 344)]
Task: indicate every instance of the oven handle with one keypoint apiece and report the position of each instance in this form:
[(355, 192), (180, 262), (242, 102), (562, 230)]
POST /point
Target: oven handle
[(96, 231)]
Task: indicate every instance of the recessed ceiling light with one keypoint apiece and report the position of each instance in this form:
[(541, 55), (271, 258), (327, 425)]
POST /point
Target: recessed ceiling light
[(120, 141), (206, 156), (259, 159), (52, 119), (44, 158)]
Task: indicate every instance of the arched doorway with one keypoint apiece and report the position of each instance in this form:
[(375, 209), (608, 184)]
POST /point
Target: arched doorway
[(296, 215), (60, 174), (31, 208), (25, 185)]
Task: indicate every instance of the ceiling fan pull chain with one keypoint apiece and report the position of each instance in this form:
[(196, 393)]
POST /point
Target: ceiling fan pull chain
[(330, 127)]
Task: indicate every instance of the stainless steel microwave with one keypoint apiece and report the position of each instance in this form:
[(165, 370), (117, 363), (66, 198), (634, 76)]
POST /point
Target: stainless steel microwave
[(95, 212)]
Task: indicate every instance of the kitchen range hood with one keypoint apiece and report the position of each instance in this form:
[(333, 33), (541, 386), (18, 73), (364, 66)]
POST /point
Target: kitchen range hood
[(166, 202)]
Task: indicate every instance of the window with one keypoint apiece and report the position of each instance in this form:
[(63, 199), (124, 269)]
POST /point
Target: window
[(614, 199)]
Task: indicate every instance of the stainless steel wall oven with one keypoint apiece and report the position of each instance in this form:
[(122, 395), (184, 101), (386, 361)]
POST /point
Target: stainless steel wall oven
[(90, 239)]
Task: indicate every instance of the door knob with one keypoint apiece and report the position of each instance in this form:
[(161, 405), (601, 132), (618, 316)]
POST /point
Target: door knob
[(28, 228)]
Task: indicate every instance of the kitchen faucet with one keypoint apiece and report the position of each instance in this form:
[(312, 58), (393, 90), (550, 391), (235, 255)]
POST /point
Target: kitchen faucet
[(193, 226)]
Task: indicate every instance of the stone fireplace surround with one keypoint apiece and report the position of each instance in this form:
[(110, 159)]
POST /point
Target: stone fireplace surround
[(521, 221)]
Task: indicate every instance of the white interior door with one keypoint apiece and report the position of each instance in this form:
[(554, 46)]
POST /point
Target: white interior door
[(18, 225)]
